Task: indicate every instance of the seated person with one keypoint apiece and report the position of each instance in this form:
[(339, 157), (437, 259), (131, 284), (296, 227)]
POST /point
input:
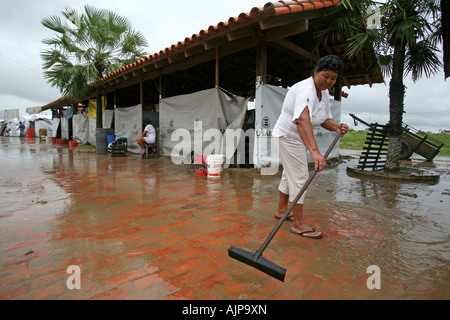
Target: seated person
[(148, 136)]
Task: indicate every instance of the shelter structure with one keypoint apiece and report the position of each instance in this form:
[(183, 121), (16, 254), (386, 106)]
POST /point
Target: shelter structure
[(275, 45)]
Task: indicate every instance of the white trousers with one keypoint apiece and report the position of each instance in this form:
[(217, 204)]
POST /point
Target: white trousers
[(295, 167)]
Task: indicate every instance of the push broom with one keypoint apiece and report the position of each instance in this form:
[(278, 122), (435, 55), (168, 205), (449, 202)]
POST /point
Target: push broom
[(256, 259)]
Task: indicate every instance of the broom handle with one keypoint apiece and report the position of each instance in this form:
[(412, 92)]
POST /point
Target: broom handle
[(300, 194)]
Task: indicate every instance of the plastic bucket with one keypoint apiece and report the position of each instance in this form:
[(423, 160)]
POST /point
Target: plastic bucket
[(214, 164), (73, 145), (200, 170), (53, 140), (30, 133), (111, 139)]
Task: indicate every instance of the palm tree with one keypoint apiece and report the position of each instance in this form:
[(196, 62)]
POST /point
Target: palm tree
[(405, 42), (87, 47)]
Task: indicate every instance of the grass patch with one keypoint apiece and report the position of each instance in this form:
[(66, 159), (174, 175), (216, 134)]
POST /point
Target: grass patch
[(85, 147), (354, 140)]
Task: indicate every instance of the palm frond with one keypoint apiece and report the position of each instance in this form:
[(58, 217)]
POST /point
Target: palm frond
[(54, 23), (100, 42), (422, 59)]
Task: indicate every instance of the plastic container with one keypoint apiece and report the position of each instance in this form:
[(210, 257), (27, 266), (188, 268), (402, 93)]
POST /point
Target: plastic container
[(73, 145), (215, 164), (111, 139), (200, 170), (30, 133)]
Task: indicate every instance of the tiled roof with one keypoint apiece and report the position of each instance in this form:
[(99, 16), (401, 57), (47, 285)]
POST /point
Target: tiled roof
[(271, 8)]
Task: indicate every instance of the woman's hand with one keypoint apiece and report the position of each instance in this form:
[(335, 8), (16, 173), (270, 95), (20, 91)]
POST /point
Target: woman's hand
[(342, 127), (319, 161)]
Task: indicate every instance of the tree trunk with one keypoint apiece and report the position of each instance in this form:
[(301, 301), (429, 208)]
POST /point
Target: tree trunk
[(396, 99)]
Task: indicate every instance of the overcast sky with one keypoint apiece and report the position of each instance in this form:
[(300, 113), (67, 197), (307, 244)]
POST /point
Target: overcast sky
[(164, 23)]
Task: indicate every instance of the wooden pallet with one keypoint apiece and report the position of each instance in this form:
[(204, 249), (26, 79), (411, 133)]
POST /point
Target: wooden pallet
[(375, 151)]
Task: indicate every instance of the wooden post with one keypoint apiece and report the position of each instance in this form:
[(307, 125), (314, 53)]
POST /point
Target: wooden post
[(217, 66), (99, 109), (338, 90), (141, 93), (261, 62)]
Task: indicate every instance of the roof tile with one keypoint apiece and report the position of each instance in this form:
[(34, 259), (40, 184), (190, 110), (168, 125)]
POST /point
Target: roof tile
[(277, 8)]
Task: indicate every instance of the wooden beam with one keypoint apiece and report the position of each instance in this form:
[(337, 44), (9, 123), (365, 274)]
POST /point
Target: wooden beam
[(288, 30), (295, 50), (176, 57), (162, 63), (215, 43), (189, 52), (241, 34)]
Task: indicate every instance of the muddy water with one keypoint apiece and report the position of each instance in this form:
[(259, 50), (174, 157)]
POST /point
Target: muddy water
[(64, 206)]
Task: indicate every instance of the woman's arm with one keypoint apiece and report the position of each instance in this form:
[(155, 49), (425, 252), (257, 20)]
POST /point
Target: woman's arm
[(332, 125), (305, 130)]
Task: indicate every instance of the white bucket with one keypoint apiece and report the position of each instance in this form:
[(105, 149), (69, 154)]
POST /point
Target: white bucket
[(214, 164)]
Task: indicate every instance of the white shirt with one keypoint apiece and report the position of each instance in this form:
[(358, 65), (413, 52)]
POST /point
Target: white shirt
[(150, 136), (302, 95)]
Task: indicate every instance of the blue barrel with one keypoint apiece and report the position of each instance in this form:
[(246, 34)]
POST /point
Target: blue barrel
[(111, 139)]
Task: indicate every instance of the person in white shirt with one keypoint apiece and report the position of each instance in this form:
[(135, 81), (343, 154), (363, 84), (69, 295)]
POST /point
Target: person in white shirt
[(148, 136), (306, 108)]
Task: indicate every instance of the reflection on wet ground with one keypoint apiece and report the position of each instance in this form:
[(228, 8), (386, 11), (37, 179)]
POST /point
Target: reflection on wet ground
[(147, 229)]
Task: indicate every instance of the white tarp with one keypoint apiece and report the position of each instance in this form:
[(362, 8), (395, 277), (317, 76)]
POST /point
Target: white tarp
[(107, 118), (129, 125), (198, 122), (64, 128), (85, 128), (43, 124), (80, 128), (34, 110), (12, 128), (268, 104), (12, 114)]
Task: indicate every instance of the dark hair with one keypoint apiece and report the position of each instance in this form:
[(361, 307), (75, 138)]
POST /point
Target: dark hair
[(332, 63), (148, 122)]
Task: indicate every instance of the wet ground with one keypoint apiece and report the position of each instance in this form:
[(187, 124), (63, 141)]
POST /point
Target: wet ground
[(147, 229)]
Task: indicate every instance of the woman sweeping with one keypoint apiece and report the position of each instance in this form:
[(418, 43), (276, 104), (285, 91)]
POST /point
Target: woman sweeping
[(306, 108)]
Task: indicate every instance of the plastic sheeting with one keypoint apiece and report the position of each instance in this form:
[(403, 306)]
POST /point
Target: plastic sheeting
[(129, 125), (43, 124), (92, 107), (198, 123), (84, 128), (269, 101)]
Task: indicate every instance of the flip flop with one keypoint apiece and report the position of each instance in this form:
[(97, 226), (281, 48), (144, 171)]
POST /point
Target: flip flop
[(290, 218), (141, 153), (304, 234)]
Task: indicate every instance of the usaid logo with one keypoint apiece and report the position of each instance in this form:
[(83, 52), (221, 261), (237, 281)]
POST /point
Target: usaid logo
[(266, 122)]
